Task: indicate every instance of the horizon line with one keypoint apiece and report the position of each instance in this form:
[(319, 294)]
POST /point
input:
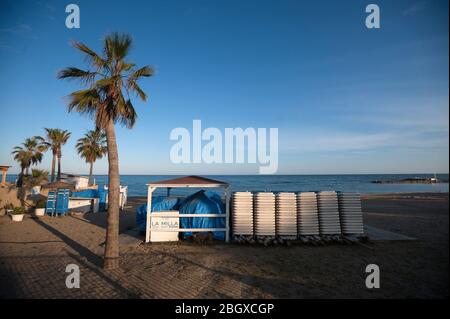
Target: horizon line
[(237, 174)]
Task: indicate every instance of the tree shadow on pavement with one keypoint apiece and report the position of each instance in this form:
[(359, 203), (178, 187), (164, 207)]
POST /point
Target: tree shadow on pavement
[(80, 249)]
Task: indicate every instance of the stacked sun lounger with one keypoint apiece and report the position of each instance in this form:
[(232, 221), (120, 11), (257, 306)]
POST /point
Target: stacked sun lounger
[(264, 214), (50, 208), (242, 217), (62, 201), (351, 213), (286, 215), (329, 221), (307, 214)]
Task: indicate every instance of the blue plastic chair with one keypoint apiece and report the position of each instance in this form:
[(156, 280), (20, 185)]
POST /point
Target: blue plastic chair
[(50, 208), (62, 201)]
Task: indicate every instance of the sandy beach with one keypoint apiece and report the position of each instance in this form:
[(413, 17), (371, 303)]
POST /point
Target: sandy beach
[(35, 252)]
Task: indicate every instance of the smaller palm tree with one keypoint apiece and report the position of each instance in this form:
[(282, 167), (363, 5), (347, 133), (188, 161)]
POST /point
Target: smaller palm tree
[(23, 157), (28, 153), (54, 140), (91, 147)]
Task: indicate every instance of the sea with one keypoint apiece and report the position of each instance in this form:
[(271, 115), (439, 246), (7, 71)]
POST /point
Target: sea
[(292, 183)]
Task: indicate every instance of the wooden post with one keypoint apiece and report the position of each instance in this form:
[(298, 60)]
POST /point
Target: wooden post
[(4, 177), (227, 211), (149, 214)]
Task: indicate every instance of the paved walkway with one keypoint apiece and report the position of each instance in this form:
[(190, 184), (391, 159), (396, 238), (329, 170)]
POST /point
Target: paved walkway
[(34, 255), (36, 268)]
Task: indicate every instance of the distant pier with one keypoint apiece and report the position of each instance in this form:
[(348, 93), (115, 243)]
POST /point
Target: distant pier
[(414, 180)]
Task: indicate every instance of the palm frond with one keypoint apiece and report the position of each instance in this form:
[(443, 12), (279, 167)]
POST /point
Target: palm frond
[(104, 82), (126, 66), (91, 56), (77, 74), (84, 101), (133, 86), (119, 45), (129, 115), (145, 71)]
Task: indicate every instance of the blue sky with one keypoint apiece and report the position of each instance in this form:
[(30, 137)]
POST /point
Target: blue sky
[(345, 99)]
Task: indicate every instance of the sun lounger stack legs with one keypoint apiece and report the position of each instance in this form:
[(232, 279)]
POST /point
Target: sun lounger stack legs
[(242, 217), (329, 221), (286, 215), (307, 214), (264, 214), (351, 213)]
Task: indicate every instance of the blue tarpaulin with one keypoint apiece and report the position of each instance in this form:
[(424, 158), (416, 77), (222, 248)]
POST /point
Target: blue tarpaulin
[(203, 203), (199, 203), (159, 203), (87, 193), (102, 198), (101, 194)]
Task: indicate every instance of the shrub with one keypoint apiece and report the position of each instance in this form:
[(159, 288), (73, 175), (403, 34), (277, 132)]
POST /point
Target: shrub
[(40, 203), (37, 177), (18, 210)]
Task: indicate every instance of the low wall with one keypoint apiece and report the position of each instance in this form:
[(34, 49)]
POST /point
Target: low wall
[(17, 196)]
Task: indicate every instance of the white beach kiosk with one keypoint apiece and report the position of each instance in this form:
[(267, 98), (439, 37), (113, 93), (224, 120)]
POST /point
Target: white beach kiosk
[(168, 221)]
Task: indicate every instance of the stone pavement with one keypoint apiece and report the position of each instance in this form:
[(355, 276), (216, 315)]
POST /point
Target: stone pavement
[(34, 255), (36, 268)]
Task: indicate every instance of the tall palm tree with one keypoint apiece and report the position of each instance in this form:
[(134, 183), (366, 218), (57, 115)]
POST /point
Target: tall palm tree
[(54, 140), (109, 81), (91, 147), (28, 153)]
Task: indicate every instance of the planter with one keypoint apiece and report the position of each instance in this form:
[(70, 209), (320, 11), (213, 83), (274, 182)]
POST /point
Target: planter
[(17, 217), (39, 211)]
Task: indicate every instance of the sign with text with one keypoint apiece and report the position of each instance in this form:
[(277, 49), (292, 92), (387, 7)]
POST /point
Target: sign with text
[(161, 221)]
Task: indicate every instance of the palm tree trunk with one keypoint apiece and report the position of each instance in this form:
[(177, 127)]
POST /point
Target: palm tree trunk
[(90, 172), (111, 260), (53, 167), (20, 179), (59, 165)]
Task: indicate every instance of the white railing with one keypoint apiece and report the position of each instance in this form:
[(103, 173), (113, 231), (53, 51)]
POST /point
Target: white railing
[(149, 228), (185, 230)]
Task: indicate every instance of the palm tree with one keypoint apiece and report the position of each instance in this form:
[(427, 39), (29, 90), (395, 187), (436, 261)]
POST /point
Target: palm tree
[(28, 153), (23, 157), (91, 147), (54, 140), (109, 81)]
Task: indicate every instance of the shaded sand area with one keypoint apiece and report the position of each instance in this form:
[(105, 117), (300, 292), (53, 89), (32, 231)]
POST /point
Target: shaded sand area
[(34, 254)]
